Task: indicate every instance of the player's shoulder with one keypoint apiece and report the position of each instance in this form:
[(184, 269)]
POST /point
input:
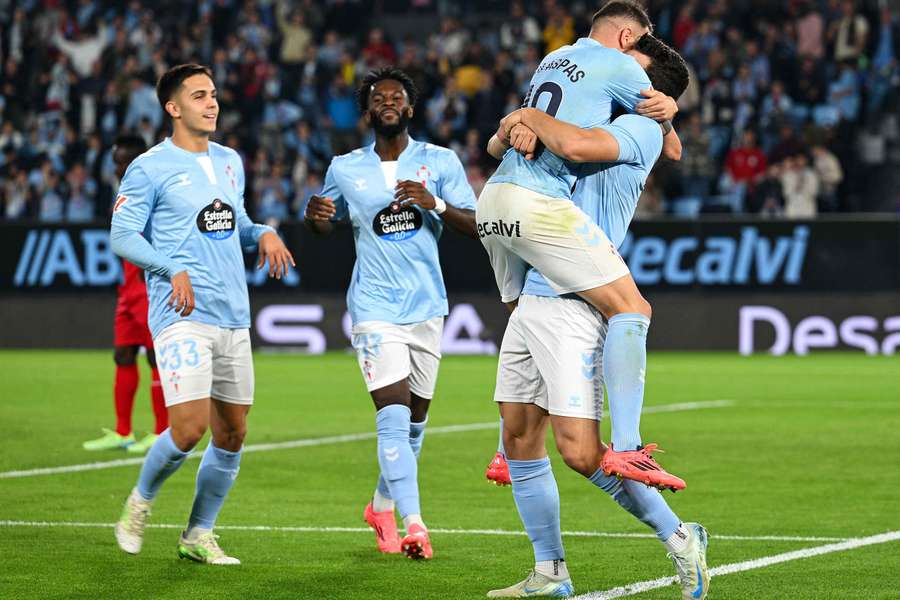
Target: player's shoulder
[(639, 125), (348, 160), (220, 151), (151, 160), (646, 135), (439, 154)]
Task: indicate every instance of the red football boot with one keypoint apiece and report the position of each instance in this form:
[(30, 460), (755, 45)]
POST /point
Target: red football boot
[(385, 527), (498, 471), (416, 544), (640, 466)]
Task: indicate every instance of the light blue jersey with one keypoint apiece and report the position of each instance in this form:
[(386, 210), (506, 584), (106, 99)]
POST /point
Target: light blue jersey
[(580, 84), (609, 192), (397, 276), (191, 207)]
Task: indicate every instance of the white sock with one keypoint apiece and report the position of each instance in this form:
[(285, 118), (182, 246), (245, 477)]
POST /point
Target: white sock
[(413, 520), (554, 569), (192, 533), (678, 541), (380, 503), (140, 500)]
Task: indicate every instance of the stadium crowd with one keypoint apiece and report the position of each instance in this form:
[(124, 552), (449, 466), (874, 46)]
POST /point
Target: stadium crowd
[(792, 109)]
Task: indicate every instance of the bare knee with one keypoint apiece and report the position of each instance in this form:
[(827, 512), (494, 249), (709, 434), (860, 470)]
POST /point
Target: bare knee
[(643, 307), (522, 444), (579, 458), (187, 435), (231, 439)]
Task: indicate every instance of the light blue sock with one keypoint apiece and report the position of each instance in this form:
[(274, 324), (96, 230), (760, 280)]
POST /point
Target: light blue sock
[(416, 437), (218, 470), (162, 460), (500, 447), (645, 503), (537, 498), (624, 363), (396, 458)]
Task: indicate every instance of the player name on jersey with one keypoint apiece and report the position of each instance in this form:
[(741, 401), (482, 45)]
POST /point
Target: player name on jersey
[(566, 66)]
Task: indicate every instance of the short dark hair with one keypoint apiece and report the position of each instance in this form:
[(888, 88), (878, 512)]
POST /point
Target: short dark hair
[(365, 88), (623, 8), (667, 71), (172, 79), (133, 144)]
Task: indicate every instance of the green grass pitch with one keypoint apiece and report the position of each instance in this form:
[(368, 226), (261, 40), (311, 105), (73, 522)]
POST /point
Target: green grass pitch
[(808, 447)]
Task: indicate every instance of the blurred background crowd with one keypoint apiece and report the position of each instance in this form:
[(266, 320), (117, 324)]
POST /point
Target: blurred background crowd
[(792, 110)]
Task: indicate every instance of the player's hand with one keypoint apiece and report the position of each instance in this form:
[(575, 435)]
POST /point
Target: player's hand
[(319, 208), (658, 106), (182, 299), (272, 248), (413, 192), (507, 123), (524, 141)]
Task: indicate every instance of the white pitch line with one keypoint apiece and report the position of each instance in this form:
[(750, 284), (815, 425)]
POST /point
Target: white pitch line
[(747, 565), (334, 439), (497, 532)]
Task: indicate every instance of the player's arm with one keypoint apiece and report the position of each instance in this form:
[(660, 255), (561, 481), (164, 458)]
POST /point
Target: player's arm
[(136, 198), (322, 209), (459, 219), (456, 202), (671, 145), (563, 139), (497, 147)]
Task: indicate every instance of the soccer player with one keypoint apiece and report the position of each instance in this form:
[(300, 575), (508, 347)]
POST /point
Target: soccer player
[(187, 193), (551, 365), (526, 216), (397, 194), (131, 332)]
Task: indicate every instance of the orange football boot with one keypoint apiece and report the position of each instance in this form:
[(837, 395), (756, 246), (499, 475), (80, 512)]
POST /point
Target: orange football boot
[(385, 527), (640, 466), (416, 544), (498, 471)]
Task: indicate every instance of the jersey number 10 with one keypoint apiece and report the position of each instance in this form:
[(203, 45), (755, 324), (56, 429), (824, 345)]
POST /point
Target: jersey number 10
[(548, 87)]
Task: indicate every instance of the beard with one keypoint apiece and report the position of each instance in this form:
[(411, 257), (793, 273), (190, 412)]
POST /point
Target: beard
[(385, 130)]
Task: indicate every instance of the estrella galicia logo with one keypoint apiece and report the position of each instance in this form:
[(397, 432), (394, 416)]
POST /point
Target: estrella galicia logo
[(216, 220), (397, 222)]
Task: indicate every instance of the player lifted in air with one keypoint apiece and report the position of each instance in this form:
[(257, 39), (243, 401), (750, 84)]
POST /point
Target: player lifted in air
[(580, 84), (131, 332), (551, 366), (186, 195), (397, 194)]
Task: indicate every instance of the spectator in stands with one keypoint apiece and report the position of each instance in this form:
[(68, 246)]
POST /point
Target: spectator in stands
[(378, 52), (767, 197), (51, 208), (844, 92), (801, 187), (273, 194), (519, 30), (76, 74), (744, 166), (696, 166), (80, 190), (15, 194), (810, 31), (828, 168), (560, 28), (849, 33)]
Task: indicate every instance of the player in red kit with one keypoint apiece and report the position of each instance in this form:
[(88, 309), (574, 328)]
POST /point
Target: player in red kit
[(131, 333)]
